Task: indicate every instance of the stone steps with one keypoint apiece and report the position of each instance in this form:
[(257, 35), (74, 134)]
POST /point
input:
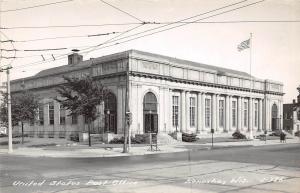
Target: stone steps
[(164, 138)]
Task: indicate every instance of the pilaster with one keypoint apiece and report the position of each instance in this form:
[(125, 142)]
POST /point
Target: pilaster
[(260, 112), (227, 110), (183, 112), (199, 108)]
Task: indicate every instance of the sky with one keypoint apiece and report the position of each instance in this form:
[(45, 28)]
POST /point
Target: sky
[(275, 45)]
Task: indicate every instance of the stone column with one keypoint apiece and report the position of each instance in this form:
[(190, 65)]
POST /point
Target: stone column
[(203, 111), (187, 111), (183, 113), (260, 111), (230, 113), (170, 121), (214, 117), (227, 114), (199, 115), (239, 113), (250, 118), (217, 112), (268, 114), (242, 113), (121, 110)]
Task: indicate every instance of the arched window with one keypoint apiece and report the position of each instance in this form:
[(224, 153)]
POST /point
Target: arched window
[(110, 111), (274, 111), (150, 103), (150, 113)]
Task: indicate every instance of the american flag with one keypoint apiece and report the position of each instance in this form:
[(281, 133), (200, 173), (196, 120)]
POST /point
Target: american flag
[(244, 45)]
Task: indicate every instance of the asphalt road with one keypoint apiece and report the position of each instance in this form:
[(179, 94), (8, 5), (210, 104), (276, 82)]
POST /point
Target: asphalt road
[(161, 171)]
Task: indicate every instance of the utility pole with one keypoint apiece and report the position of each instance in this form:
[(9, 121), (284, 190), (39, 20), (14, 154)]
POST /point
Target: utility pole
[(127, 113), (10, 148)]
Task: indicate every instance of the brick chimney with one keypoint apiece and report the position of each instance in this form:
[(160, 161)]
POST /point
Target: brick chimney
[(74, 58)]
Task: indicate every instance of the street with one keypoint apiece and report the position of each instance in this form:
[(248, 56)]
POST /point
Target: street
[(240, 169)]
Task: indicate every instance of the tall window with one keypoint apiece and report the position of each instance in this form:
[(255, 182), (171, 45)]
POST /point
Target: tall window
[(51, 113), (74, 119), (192, 111), (41, 114), (110, 109), (62, 115), (234, 109), (255, 114), (245, 114), (221, 113), (207, 112), (175, 110)]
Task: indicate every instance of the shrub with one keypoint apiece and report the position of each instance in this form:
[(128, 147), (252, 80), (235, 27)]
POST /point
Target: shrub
[(117, 140), (19, 135), (297, 133), (74, 137), (186, 137), (238, 135), (276, 133), (138, 139), (3, 135)]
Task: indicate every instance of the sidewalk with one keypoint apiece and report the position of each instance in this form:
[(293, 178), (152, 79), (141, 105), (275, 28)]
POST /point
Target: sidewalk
[(113, 150)]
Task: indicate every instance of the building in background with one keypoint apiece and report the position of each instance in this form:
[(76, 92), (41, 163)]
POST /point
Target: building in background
[(291, 115), (165, 95)]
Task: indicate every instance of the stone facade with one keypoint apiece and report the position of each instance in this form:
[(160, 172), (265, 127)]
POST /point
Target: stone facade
[(167, 94)]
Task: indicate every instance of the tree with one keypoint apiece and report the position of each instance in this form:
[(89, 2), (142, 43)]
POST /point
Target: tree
[(81, 96), (24, 107)]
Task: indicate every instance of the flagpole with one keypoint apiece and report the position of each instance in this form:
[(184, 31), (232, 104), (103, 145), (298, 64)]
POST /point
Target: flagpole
[(250, 99)]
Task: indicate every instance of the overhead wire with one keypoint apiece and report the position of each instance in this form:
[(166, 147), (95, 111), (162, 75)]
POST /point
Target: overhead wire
[(35, 6), (184, 23), (150, 23), (182, 20), (177, 26), (69, 26), (121, 10), (93, 47), (39, 62), (62, 37)]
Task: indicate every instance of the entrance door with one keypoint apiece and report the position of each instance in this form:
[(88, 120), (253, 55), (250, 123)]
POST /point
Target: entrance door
[(151, 123), (150, 113), (274, 117)]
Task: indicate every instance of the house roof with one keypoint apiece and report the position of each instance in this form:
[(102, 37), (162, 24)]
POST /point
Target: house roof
[(157, 57), (194, 64)]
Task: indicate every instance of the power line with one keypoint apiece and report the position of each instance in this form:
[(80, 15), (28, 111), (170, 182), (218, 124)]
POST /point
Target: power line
[(150, 23), (33, 50), (182, 20), (62, 37), (35, 6), (181, 24), (93, 47), (68, 26), (62, 56), (110, 40), (121, 10)]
